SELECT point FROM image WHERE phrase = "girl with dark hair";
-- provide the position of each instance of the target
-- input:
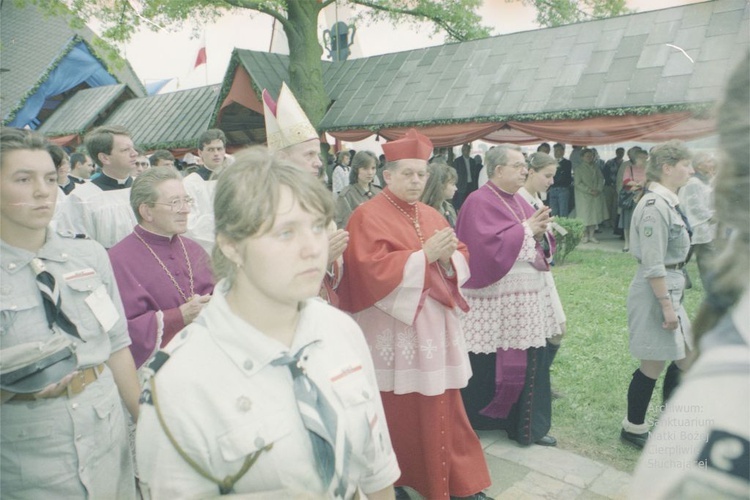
(440, 188)
(360, 189)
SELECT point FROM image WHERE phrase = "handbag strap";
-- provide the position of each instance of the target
(226, 486)
(632, 176)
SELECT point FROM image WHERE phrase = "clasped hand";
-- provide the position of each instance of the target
(440, 246)
(337, 242)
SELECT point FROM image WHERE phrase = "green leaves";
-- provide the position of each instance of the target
(568, 243)
(558, 12)
(456, 18)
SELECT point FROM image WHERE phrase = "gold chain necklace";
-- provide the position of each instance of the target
(508, 206)
(174, 281)
(414, 220)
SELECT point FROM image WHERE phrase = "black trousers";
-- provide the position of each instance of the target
(530, 418)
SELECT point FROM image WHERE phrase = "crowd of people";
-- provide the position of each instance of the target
(289, 340)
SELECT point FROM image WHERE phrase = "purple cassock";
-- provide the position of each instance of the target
(494, 235)
(156, 275)
(491, 224)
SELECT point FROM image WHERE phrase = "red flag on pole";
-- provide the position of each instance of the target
(201, 57)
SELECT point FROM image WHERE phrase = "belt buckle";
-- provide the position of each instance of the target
(78, 384)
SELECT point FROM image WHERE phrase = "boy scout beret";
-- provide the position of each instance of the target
(32, 366)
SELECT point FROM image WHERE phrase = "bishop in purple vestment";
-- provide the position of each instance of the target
(511, 313)
(164, 279)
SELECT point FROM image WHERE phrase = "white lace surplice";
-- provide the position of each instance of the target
(516, 312)
(416, 350)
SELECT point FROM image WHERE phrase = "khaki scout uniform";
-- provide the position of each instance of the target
(659, 240)
(71, 446)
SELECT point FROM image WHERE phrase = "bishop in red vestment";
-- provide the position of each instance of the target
(404, 266)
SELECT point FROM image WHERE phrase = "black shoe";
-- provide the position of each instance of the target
(547, 441)
(475, 496)
(633, 439)
(401, 493)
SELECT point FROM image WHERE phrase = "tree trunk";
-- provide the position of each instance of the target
(305, 68)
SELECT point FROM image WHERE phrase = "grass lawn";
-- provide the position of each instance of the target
(593, 367)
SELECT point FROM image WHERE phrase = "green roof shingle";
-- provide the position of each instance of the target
(169, 121)
(596, 66)
(82, 110)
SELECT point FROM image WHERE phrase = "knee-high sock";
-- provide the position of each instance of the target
(671, 381)
(639, 395)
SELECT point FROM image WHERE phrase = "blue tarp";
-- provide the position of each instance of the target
(77, 67)
(154, 87)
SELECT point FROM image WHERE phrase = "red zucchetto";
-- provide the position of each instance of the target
(412, 145)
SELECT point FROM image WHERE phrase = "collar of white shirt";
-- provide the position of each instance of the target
(665, 193)
(247, 347)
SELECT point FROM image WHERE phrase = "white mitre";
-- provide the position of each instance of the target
(286, 123)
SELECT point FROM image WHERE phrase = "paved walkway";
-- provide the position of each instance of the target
(607, 242)
(540, 472)
(534, 472)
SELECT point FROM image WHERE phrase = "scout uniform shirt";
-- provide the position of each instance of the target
(65, 447)
(660, 241)
(659, 238)
(240, 403)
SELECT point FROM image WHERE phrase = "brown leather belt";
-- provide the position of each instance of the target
(675, 267)
(76, 386)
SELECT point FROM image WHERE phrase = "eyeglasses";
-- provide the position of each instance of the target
(178, 204)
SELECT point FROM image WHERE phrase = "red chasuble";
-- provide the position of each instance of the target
(408, 311)
(382, 239)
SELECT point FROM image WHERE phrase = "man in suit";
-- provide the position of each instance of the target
(559, 197)
(468, 175)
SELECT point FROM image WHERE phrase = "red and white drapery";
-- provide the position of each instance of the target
(684, 125)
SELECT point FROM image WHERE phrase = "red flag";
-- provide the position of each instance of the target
(201, 58)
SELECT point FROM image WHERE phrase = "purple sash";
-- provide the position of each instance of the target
(510, 376)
